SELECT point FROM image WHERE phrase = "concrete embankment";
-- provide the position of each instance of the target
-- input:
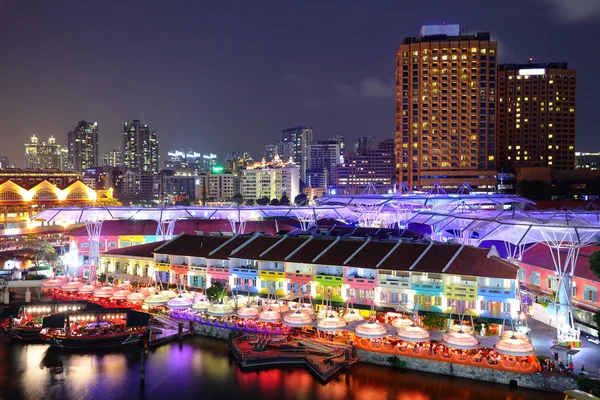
(546, 382)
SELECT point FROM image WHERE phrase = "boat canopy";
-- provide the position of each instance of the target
(137, 318)
(54, 321)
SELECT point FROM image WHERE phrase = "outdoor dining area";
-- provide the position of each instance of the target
(511, 351)
(404, 335)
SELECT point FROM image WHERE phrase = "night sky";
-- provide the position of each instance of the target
(220, 76)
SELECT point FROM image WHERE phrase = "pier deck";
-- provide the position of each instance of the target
(323, 362)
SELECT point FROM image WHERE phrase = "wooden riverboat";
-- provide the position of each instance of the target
(95, 329)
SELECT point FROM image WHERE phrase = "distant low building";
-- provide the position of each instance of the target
(587, 160)
(271, 179)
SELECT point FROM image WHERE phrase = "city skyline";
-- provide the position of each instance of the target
(276, 78)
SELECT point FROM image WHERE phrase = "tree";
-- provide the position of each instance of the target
(250, 202)
(595, 263)
(263, 201)
(237, 199)
(433, 321)
(216, 292)
(41, 252)
(274, 202)
(284, 201)
(301, 199)
(106, 202)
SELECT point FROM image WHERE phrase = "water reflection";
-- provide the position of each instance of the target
(201, 368)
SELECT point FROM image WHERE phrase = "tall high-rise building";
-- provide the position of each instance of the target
(235, 161)
(112, 157)
(208, 161)
(284, 150)
(64, 159)
(536, 115)
(83, 146)
(375, 166)
(323, 158)
(184, 160)
(140, 148)
(4, 163)
(301, 137)
(445, 109)
(42, 155)
(365, 143)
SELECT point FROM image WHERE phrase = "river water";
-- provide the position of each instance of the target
(200, 368)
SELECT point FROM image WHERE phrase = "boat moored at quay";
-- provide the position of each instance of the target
(95, 329)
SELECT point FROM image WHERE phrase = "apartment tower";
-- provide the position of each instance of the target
(536, 115)
(446, 109)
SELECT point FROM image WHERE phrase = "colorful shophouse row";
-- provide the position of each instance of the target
(116, 234)
(434, 277)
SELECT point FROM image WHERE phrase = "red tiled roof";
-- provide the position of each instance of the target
(270, 227)
(436, 258)
(121, 228)
(541, 256)
(224, 252)
(403, 257)
(371, 254)
(474, 261)
(191, 226)
(340, 252)
(141, 250)
(284, 249)
(310, 251)
(192, 245)
(253, 248)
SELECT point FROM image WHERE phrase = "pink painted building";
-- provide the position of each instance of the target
(538, 272)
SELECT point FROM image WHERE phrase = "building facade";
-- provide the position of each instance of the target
(22, 197)
(365, 143)
(112, 158)
(4, 163)
(445, 109)
(137, 185)
(271, 179)
(375, 166)
(301, 138)
(83, 146)
(435, 277)
(177, 182)
(140, 148)
(324, 156)
(42, 155)
(536, 115)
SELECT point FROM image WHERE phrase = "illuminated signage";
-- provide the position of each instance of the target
(532, 71)
(217, 169)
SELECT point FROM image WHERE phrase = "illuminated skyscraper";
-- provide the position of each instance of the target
(536, 115)
(112, 157)
(445, 109)
(140, 148)
(83, 146)
(42, 155)
(301, 137)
